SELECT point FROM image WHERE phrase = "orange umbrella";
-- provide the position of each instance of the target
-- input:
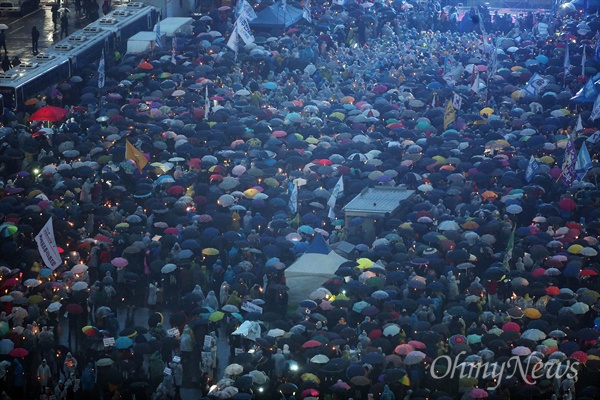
(145, 65)
(489, 195)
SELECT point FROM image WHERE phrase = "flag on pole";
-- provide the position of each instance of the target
(47, 246)
(232, 43)
(509, 248)
(433, 100)
(457, 101)
(306, 14)
(587, 94)
(532, 168)
(579, 125)
(596, 110)
(449, 115)
(570, 159)
(584, 162)
(567, 62)
(158, 39)
(243, 29)
(246, 8)
(101, 71)
(583, 62)
(595, 138)
(597, 50)
(174, 51)
(475, 86)
(206, 104)
(336, 193)
(131, 153)
(536, 84)
(293, 204)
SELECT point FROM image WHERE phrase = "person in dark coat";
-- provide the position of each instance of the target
(35, 37)
(3, 41)
(6, 63)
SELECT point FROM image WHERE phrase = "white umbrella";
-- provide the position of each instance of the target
(168, 268)
(32, 283)
(414, 357)
(53, 307)
(448, 226)
(233, 369)
(77, 286)
(276, 332)
(533, 334)
(79, 269)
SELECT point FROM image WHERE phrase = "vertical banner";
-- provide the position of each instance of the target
(47, 246)
(101, 71)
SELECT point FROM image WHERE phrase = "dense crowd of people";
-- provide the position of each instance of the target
(182, 190)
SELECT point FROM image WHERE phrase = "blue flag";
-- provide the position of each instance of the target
(293, 205)
(532, 169)
(584, 162)
(586, 94)
(101, 71)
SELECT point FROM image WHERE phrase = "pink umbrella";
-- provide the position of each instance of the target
(119, 262)
(478, 393)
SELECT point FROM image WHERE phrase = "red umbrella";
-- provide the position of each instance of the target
(176, 190)
(311, 344)
(10, 282)
(18, 352)
(74, 309)
(102, 238)
(49, 113)
(567, 204)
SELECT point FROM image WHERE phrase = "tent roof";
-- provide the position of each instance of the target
(379, 200)
(278, 15)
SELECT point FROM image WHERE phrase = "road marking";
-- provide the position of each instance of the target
(25, 16)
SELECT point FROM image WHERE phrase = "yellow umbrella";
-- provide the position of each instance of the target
(310, 377)
(250, 193)
(364, 263)
(547, 160)
(517, 94)
(575, 249)
(209, 251)
(532, 313)
(338, 115)
(34, 193)
(439, 159)
(486, 111)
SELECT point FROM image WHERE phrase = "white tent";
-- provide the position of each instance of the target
(311, 270)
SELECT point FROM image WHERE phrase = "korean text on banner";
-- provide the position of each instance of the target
(47, 246)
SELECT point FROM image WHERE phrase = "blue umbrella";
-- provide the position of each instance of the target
(270, 85)
(306, 229)
(123, 343)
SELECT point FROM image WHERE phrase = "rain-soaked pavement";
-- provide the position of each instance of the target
(18, 35)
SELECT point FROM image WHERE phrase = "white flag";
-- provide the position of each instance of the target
(475, 87)
(206, 104)
(101, 71)
(47, 246)
(457, 101)
(243, 29)
(583, 62)
(579, 126)
(306, 11)
(173, 51)
(248, 11)
(567, 61)
(338, 191)
(232, 43)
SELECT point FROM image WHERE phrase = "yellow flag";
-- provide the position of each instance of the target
(449, 114)
(131, 153)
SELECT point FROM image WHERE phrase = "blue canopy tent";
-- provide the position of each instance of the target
(279, 15)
